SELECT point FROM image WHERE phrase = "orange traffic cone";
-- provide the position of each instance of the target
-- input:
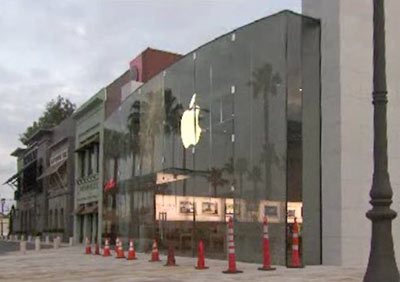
(171, 256)
(120, 252)
(231, 251)
(267, 256)
(200, 260)
(106, 252)
(88, 249)
(131, 251)
(295, 247)
(154, 252)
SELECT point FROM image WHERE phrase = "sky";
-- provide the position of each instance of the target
(73, 48)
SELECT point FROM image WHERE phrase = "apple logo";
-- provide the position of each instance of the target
(190, 128)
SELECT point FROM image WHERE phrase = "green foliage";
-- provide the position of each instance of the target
(56, 111)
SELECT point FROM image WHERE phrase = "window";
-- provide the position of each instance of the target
(82, 163)
(90, 160)
(62, 218)
(55, 219)
(97, 153)
(50, 219)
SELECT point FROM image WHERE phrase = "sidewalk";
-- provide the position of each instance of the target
(70, 264)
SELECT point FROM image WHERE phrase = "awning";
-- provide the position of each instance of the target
(53, 169)
(79, 210)
(15, 176)
(90, 209)
(87, 142)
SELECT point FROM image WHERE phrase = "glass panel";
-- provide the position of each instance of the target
(216, 135)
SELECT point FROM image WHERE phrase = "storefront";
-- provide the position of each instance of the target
(88, 157)
(219, 134)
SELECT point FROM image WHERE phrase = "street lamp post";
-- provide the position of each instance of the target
(382, 263)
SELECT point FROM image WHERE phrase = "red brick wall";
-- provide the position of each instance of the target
(154, 61)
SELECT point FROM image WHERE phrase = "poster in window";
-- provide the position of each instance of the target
(271, 211)
(186, 207)
(210, 208)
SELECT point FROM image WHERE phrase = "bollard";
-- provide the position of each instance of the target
(47, 240)
(22, 247)
(22, 237)
(29, 238)
(37, 243)
(55, 243)
(71, 241)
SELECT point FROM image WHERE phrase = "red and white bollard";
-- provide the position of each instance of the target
(154, 252)
(231, 251)
(131, 251)
(266, 251)
(106, 252)
(295, 247)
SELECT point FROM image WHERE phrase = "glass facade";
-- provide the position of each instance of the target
(222, 133)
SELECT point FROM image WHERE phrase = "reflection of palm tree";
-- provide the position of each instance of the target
(215, 177)
(241, 167)
(265, 82)
(152, 121)
(173, 114)
(134, 131)
(115, 146)
(254, 175)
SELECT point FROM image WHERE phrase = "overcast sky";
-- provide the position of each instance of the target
(74, 48)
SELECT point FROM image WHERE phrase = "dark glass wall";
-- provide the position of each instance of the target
(220, 134)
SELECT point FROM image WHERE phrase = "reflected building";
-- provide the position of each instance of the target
(232, 129)
(90, 137)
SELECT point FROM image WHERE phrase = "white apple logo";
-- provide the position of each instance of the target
(190, 128)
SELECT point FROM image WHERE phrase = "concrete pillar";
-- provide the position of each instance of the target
(22, 247)
(29, 238)
(37, 243)
(71, 241)
(22, 237)
(47, 239)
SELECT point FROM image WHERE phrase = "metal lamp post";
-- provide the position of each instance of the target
(382, 263)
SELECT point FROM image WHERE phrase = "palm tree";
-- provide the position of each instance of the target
(134, 131)
(265, 83)
(173, 113)
(254, 175)
(215, 178)
(241, 168)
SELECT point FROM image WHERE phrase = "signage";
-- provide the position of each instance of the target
(190, 128)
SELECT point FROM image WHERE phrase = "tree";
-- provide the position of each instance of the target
(56, 111)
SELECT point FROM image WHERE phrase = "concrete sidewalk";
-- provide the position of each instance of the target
(70, 264)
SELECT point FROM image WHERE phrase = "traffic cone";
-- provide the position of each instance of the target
(120, 251)
(231, 251)
(131, 251)
(88, 249)
(267, 256)
(106, 252)
(200, 260)
(97, 249)
(295, 247)
(171, 256)
(154, 252)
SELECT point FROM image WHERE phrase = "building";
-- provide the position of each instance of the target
(347, 124)
(44, 183)
(58, 180)
(221, 133)
(90, 137)
(31, 212)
